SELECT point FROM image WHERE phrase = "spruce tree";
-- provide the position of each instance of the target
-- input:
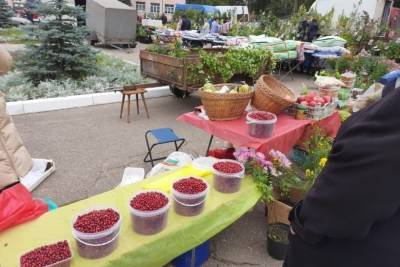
(62, 51)
(5, 14)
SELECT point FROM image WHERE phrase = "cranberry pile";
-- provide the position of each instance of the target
(46, 255)
(261, 116)
(228, 167)
(190, 185)
(96, 221)
(149, 201)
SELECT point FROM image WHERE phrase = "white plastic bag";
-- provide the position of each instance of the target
(174, 160)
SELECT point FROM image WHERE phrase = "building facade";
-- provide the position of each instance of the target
(154, 7)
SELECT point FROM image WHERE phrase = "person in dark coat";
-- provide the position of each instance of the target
(351, 216)
(312, 32)
(186, 23)
(164, 19)
(302, 30)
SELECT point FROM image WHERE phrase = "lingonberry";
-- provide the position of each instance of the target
(46, 255)
(190, 185)
(228, 167)
(96, 221)
(261, 116)
(149, 201)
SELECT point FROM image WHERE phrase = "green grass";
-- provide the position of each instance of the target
(14, 35)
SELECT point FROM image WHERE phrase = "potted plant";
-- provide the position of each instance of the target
(260, 169)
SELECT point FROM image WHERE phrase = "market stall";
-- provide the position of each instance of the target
(287, 133)
(180, 235)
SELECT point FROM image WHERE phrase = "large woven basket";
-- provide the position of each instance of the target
(271, 95)
(222, 107)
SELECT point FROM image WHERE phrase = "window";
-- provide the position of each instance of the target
(169, 9)
(140, 6)
(154, 8)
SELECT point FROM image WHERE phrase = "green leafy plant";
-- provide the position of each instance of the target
(317, 147)
(174, 49)
(251, 62)
(390, 50)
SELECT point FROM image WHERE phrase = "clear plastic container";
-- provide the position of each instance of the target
(261, 128)
(228, 182)
(63, 263)
(188, 209)
(189, 204)
(149, 222)
(96, 251)
(99, 237)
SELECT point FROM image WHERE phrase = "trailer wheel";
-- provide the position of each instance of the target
(178, 92)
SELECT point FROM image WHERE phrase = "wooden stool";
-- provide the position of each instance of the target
(137, 89)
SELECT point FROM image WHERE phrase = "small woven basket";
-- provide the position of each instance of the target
(271, 95)
(222, 107)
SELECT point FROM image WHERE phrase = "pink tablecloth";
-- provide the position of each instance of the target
(288, 131)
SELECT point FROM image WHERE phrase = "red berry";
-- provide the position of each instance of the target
(261, 116)
(228, 167)
(190, 185)
(149, 201)
(96, 221)
(46, 255)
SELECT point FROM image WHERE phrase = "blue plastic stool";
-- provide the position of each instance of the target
(163, 136)
(193, 258)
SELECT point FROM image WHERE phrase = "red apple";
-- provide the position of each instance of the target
(312, 104)
(327, 99)
(304, 103)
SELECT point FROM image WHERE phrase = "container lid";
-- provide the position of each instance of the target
(204, 163)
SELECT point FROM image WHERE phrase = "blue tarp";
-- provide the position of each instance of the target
(204, 8)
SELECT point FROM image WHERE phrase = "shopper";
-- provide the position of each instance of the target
(215, 25)
(164, 19)
(226, 27)
(312, 32)
(186, 24)
(351, 216)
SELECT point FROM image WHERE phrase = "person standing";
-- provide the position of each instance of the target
(206, 27)
(215, 26)
(313, 29)
(302, 30)
(186, 24)
(351, 216)
(226, 27)
(164, 19)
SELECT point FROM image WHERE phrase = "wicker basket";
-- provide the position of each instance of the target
(271, 95)
(332, 92)
(222, 107)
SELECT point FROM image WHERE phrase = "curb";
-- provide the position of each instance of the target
(58, 103)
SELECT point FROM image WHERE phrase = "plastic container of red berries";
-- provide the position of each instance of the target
(228, 176)
(261, 124)
(53, 255)
(149, 212)
(189, 196)
(96, 232)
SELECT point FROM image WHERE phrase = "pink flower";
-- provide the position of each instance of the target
(281, 158)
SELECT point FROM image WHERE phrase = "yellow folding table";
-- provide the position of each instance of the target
(181, 234)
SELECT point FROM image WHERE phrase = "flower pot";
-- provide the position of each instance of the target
(277, 240)
(278, 212)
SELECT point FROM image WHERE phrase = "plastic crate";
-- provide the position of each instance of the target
(315, 113)
(193, 258)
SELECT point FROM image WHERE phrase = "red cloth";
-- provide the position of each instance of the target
(288, 131)
(17, 206)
